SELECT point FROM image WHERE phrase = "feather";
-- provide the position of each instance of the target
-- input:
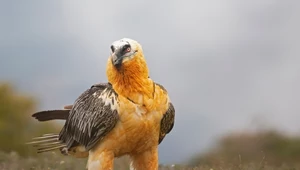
(47, 142)
(69, 107)
(46, 149)
(51, 115)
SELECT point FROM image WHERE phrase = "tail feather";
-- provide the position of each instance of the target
(50, 134)
(46, 137)
(50, 148)
(51, 115)
(47, 142)
(43, 141)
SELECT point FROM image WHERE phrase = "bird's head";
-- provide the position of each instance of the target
(124, 51)
(127, 68)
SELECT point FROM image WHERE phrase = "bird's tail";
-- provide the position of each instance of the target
(47, 142)
(51, 115)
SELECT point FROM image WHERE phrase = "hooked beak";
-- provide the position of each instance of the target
(117, 58)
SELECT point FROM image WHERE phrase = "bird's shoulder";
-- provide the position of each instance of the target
(98, 93)
(100, 89)
(100, 98)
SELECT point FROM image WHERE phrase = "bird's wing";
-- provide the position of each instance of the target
(167, 122)
(92, 116)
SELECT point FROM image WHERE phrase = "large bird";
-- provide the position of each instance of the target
(129, 115)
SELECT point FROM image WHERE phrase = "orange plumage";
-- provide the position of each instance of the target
(137, 132)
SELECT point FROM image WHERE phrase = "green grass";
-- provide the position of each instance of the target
(55, 161)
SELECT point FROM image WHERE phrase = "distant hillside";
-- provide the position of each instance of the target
(265, 148)
(16, 124)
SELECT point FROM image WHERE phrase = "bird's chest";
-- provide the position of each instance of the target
(139, 126)
(139, 112)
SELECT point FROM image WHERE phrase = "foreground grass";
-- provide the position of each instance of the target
(54, 161)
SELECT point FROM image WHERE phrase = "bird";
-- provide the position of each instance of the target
(129, 115)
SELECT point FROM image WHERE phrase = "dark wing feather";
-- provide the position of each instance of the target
(167, 122)
(51, 115)
(91, 117)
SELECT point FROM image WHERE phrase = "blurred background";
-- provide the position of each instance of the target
(231, 67)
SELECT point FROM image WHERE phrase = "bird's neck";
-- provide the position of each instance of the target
(131, 79)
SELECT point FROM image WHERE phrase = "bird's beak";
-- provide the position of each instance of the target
(117, 58)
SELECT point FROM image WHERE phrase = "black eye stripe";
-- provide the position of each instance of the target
(125, 47)
(112, 48)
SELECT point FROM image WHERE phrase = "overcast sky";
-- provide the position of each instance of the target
(228, 65)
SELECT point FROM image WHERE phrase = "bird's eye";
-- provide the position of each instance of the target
(126, 48)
